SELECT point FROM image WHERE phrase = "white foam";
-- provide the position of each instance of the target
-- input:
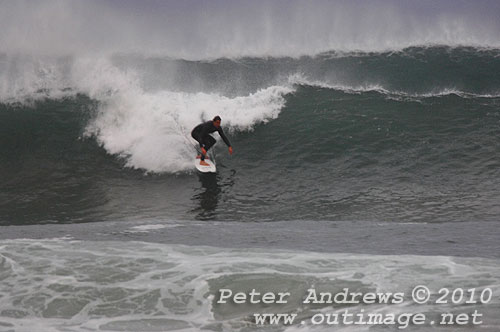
(151, 130)
(60, 285)
(149, 228)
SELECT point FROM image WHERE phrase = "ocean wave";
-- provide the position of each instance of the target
(416, 72)
(414, 50)
(299, 80)
(142, 109)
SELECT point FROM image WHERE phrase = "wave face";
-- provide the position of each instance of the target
(399, 135)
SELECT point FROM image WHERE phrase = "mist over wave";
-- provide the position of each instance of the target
(200, 30)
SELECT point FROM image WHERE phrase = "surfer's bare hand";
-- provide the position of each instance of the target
(204, 151)
(230, 150)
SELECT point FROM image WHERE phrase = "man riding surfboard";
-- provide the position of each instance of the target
(201, 133)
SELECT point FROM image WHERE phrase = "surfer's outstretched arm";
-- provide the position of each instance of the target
(225, 139)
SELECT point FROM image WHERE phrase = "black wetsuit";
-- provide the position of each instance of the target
(202, 132)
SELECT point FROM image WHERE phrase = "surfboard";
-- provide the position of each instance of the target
(205, 169)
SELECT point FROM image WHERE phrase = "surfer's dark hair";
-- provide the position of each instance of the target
(217, 118)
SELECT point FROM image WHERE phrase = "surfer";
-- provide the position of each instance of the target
(201, 133)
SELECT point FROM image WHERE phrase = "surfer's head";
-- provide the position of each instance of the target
(216, 121)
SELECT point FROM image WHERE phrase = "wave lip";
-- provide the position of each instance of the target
(299, 80)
